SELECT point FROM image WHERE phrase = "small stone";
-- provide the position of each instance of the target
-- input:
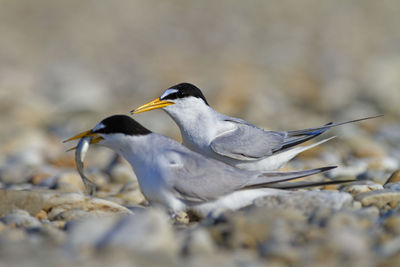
(42, 215)
(392, 224)
(20, 187)
(31, 201)
(132, 197)
(15, 234)
(349, 242)
(49, 182)
(395, 177)
(55, 203)
(251, 226)
(58, 224)
(392, 186)
(69, 206)
(351, 171)
(70, 182)
(307, 201)
(364, 147)
(391, 248)
(379, 198)
(361, 187)
(341, 220)
(147, 232)
(200, 242)
(376, 176)
(357, 205)
(385, 164)
(71, 215)
(369, 214)
(182, 218)
(38, 178)
(53, 234)
(21, 218)
(13, 174)
(63, 161)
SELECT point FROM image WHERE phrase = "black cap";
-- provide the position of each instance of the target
(183, 90)
(120, 124)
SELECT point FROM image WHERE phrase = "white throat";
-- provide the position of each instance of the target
(197, 122)
(133, 148)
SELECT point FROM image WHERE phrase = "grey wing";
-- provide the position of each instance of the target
(247, 142)
(196, 178)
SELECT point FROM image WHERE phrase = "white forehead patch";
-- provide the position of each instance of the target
(98, 127)
(168, 92)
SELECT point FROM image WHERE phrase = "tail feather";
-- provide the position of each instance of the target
(318, 130)
(268, 178)
(297, 185)
(300, 140)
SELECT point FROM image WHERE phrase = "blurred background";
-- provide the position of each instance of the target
(282, 65)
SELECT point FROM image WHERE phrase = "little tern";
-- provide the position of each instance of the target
(228, 139)
(179, 179)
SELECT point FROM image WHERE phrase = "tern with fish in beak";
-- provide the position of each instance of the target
(228, 139)
(80, 152)
(179, 179)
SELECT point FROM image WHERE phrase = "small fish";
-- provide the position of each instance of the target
(80, 153)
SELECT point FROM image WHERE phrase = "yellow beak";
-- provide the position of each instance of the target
(155, 104)
(95, 138)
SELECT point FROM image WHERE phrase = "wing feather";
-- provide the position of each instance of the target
(247, 142)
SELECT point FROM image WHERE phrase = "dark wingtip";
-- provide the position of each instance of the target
(328, 168)
(298, 185)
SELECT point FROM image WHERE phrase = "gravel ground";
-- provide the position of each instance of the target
(64, 66)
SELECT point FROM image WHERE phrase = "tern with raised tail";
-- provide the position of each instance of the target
(180, 179)
(228, 139)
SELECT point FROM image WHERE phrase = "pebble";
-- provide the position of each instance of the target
(385, 164)
(53, 234)
(393, 186)
(392, 224)
(307, 201)
(254, 225)
(13, 235)
(73, 205)
(148, 231)
(132, 197)
(70, 182)
(376, 176)
(361, 187)
(391, 248)
(38, 178)
(379, 198)
(50, 220)
(364, 147)
(15, 174)
(55, 203)
(395, 177)
(31, 201)
(20, 218)
(352, 171)
(42, 215)
(199, 242)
